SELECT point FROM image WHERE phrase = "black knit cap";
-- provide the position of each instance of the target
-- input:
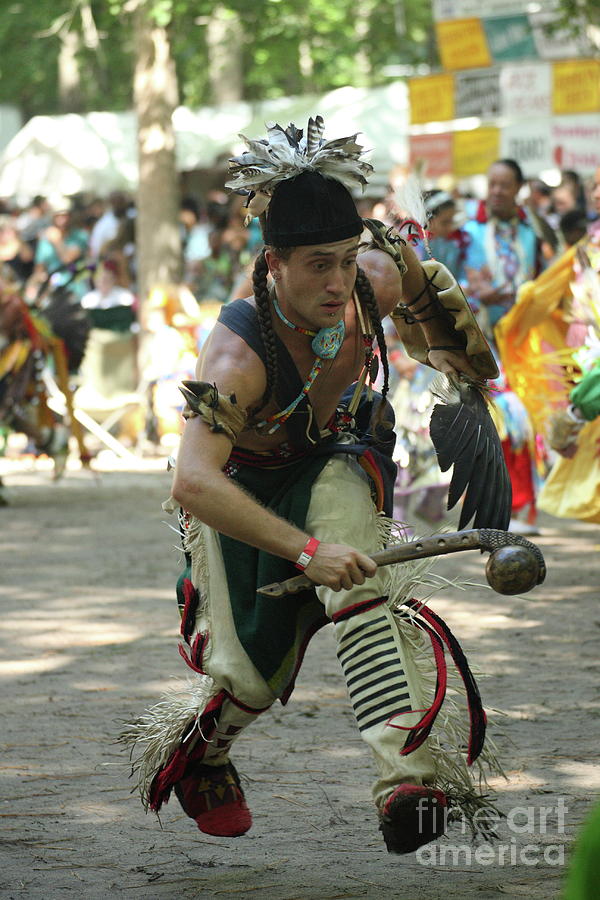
(310, 209)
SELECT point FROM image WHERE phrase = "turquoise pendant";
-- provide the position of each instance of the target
(328, 341)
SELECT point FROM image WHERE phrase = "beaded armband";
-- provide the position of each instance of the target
(222, 414)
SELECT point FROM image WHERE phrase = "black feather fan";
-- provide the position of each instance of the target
(464, 436)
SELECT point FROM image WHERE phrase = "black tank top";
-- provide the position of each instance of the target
(303, 432)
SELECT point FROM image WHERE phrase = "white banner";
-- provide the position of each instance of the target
(576, 143)
(530, 143)
(526, 90)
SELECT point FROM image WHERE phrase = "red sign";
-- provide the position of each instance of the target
(433, 151)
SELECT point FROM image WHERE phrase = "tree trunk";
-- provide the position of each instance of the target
(70, 96)
(400, 19)
(224, 39)
(306, 62)
(362, 23)
(158, 241)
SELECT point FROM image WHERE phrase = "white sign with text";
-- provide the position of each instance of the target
(526, 90)
(530, 144)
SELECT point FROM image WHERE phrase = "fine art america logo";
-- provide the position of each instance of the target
(533, 838)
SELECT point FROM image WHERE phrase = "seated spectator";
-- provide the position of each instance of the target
(109, 305)
(35, 219)
(107, 225)
(109, 368)
(121, 250)
(93, 210)
(214, 275)
(59, 246)
(195, 235)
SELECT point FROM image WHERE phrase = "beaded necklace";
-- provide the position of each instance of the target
(326, 342)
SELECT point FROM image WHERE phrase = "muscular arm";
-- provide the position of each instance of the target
(201, 487)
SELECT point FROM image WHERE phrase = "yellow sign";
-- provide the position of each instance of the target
(576, 86)
(431, 99)
(475, 151)
(462, 44)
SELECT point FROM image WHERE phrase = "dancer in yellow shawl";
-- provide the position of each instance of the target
(550, 344)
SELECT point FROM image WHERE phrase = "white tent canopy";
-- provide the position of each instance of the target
(97, 152)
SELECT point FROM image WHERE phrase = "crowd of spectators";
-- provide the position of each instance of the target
(53, 233)
(87, 244)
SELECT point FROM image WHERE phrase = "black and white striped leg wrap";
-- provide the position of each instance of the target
(375, 676)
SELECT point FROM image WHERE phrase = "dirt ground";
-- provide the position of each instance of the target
(88, 634)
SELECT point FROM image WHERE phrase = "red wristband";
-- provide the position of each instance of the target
(307, 554)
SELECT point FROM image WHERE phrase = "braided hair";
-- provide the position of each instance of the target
(263, 310)
(366, 297)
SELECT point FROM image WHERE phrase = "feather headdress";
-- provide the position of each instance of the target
(287, 152)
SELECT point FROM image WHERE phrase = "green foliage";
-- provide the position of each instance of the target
(274, 31)
(28, 64)
(288, 46)
(30, 41)
(572, 13)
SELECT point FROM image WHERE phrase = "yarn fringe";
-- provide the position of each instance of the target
(157, 734)
(194, 543)
(469, 794)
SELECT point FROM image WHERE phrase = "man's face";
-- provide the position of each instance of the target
(503, 188)
(315, 283)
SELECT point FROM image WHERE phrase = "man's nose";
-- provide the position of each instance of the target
(335, 282)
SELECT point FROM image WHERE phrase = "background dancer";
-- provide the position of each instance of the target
(550, 343)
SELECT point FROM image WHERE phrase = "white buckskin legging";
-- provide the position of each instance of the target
(376, 660)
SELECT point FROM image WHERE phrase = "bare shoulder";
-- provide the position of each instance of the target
(382, 272)
(227, 361)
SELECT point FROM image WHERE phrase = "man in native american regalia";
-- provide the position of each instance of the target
(285, 464)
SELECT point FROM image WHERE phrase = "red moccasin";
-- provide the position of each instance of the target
(413, 815)
(213, 797)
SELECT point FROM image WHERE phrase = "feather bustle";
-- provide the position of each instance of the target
(465, 437)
